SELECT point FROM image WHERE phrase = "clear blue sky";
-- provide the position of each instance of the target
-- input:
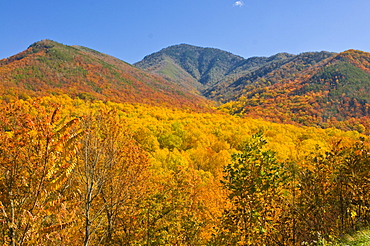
(131, 29)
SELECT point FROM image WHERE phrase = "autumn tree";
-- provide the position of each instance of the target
(110, 177)
(334, 192)
(37, 155)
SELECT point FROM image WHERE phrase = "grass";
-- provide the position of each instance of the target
(360, 238)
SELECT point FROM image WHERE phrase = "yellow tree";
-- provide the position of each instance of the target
(110, 178)
(37, 154)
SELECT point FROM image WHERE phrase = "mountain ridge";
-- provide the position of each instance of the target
(312, 88)
(223, 68)
(49, 67)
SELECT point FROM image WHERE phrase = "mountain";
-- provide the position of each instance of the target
(333, 92)
(219, 74)
(48, 67)
(274, 69)
(312, 88)
(196, 67)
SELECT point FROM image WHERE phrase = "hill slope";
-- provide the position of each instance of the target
(195, 66)
(336, 89)
(312, 88)
(218, 73)
(48, 67)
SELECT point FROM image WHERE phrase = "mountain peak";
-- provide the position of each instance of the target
(200, 66)
(47, 67)
(44, 42)
(43, 45)
(280, 56)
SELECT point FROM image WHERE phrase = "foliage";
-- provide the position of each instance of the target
(332, 93)
(37, 157)
(313, 88)
(205, 66)
(87, 164)
(255, 182)
(48, 67)
(359, 238)
(107, 173)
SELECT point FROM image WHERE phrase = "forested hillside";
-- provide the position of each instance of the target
(76, 172)
(94, 151)
(314, 88)
(223, 76)
(333, 93)
(190, 65)
(48, 67)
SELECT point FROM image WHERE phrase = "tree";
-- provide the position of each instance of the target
(111, 177)
(254, 181)
(37, 155)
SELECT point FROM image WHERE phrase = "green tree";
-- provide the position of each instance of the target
(254, 181)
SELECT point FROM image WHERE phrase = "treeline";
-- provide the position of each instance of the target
(91, 173)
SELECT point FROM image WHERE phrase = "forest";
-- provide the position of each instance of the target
(321, 89)
(92, 172)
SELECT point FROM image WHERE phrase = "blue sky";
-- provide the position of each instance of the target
(129, 29)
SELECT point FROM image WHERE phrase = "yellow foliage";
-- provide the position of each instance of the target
(187, 151)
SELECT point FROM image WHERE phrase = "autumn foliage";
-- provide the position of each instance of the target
(94, 151)
(48, 67)
(77, 172)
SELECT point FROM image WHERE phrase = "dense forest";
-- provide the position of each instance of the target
(95, 151)
(87, 173)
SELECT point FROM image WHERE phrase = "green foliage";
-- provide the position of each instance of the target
(342, 80)
(254, 180)
(359, 238)
(333, 93)
(42, 45)
(204, 65)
